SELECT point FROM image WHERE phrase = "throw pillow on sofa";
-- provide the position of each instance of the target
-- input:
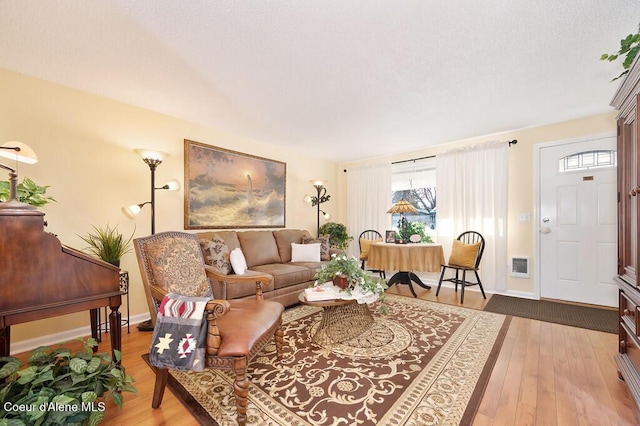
(216, 254)
(305, 252)
(324, 245)
(238, 262)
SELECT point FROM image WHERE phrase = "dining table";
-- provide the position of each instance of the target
(406, 258)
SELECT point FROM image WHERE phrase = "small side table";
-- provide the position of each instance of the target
(341, 320)
(124, 288)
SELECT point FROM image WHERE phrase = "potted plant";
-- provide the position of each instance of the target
(338, 236)
(58, 387)
(27, 191)
(345, 272)
(413, 228)
(108, 244)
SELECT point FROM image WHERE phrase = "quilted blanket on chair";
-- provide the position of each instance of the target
(179, 337)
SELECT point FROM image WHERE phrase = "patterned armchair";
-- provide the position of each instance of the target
(172, 262)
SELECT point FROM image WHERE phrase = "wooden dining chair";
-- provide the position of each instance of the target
(466, 255)
(364, 242)
(237, 330)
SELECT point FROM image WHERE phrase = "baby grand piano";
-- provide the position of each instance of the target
(40, 278)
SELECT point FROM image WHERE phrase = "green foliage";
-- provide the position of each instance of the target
(413, 228)
(107, 243)
(350, 267)
(629, 47)
(338, 236)
(55, 384)
(27, 192)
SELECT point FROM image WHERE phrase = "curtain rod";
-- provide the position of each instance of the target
(413, 159)
(513, 142)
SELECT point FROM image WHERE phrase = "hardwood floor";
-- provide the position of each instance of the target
(546, 374)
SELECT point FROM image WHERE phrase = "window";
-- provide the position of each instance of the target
(587, 160)
(415, 182)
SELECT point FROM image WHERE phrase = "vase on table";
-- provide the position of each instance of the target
(341, 281)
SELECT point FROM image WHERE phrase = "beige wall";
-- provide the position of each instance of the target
(85, 142)
(521, 235)
(85, 148)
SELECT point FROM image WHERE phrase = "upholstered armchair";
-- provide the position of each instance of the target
(237, 330)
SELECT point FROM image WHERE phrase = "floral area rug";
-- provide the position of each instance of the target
(422, 364)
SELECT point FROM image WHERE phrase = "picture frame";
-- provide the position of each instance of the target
(390, 237)
(226, 189)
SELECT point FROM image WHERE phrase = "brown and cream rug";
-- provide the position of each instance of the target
(423, 364)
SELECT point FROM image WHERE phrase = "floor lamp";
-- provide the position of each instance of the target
(320, 198)
(153, 159)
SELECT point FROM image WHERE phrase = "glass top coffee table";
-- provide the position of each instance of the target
(342, 319)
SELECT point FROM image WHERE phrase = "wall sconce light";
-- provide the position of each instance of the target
(319, 198)
(21, 153)
(153, 159)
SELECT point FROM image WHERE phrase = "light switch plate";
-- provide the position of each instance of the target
(525, 217)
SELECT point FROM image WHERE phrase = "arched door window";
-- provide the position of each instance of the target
(587, 160)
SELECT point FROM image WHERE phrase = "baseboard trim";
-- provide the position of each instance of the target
(520, 294)
(65, 336)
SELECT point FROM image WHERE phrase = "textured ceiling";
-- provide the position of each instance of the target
(346, 79)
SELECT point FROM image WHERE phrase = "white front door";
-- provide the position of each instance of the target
(578, 223)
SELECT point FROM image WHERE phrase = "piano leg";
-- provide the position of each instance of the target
(115, 329)
(5, 341)
(93, 315)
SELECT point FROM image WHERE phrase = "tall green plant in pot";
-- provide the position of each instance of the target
(108, 243)
(338, 236)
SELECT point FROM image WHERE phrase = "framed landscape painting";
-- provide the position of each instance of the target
(228, 189)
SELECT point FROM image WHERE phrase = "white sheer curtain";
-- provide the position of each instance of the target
(368, 199)
(419, 173)
(472, 196)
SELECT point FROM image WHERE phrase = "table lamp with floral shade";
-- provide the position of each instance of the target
(402, 207)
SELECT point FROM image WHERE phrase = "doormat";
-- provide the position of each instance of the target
(561, 313)
(424, 363)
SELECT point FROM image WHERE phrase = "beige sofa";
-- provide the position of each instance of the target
(266, 253)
